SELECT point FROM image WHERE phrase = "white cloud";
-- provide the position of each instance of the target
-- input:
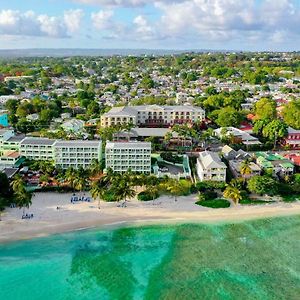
(228, 19)
(16, 23)
(122, 3)
(103, 20)
(72, 19)
(143, 29)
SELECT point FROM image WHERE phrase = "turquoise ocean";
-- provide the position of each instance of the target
(249, 260)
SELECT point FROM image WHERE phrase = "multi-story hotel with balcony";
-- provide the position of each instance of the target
(122, 156)
(210, 167)
(64, 154)
(152, 115)
(37, 148)
(76, 154)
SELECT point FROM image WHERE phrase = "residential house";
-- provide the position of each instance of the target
(210, 167)
(275, 164)
(73, 125)
(293, 138)
(238, 134)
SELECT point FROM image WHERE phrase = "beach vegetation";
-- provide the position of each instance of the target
(216, 203)
(98, 189)
(233, 193)
(21, 196)
(148, 195)
(263, 185)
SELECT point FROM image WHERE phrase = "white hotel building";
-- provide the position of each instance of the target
(37, 148)
(122, 156)
(152, 115)
(65, 154)
(76, 153)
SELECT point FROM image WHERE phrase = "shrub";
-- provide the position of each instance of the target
(210, 185)
(175, 159)
(146, 196)
(207, 195)
(217, 203)
(109, 196)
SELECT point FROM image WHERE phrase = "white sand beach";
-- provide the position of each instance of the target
(49, 220)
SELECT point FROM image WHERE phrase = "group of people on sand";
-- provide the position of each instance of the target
(27, 216)
(74, 198)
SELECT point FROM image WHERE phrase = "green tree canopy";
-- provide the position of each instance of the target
(262, 185)
(265, 108)
(276, 129)
(228, 116)
(291, 114)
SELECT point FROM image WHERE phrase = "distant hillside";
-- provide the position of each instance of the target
(12, 53)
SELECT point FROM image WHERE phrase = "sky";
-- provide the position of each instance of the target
(249, 25)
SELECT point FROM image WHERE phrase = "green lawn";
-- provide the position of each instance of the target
(216, 203)
(290, 198)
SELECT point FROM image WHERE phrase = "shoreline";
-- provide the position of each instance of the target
(84, 216)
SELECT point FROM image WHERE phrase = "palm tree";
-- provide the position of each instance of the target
(80, 183)
(245, 169)
(2, 206)
(17, 184)
(95, 168)
(124, 190)
(22, 197)
(98, 189)
(174, 188)
(153, 191)
(24, 200)
(233, 193)
(71, 176)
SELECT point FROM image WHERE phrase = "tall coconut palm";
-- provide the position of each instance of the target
(2, 206)
(17, 184)
(245, 169)
(232, 193)
(124, 190)
(71, 176)
(22, 197)
(80, 183)
(98, 189)
(95, 168)
(174, 187)
(24, 200)
(153, 192)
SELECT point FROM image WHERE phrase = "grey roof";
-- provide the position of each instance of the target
(127, 145)
(160, 132)
(133, 110)
(37, 141)
(17, 138)
(211, 160)
(121, 111)
(77, 143)
(10, 172)
(293, 131)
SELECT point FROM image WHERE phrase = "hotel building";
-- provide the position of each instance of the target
(122, 156)
(76, 154)
(151, 115)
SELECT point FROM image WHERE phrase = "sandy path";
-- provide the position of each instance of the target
(48, 220)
